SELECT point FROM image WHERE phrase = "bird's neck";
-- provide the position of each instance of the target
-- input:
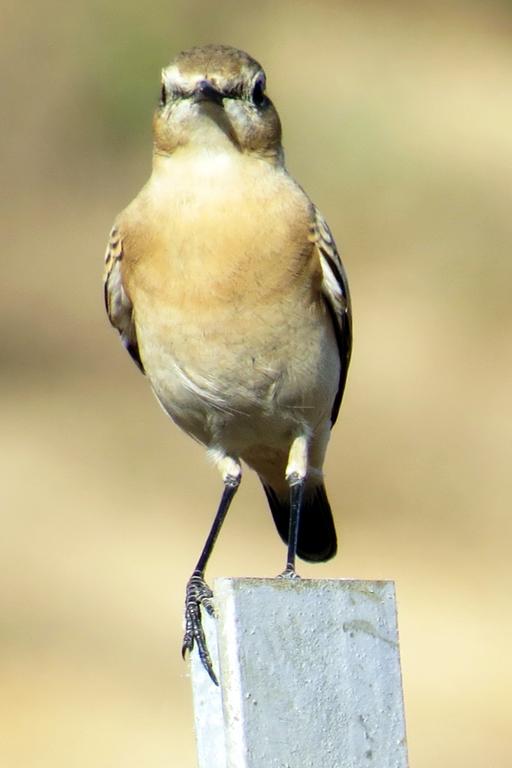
(207, 161)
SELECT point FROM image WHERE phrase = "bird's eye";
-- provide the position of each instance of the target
(258, 91)
(163, 96)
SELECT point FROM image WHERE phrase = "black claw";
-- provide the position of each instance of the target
(289, 573)
(198, 594)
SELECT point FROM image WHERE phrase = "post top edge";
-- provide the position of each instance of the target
(241, 582)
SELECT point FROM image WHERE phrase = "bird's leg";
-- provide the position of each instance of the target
(198, 593)
(296, 494)
(295, 475)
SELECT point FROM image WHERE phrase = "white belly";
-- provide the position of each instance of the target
(241, 389)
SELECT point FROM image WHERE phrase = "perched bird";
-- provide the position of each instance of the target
(227, 290)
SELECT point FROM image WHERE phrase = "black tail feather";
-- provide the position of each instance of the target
(317, 534)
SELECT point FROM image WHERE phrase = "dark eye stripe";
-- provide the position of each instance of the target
(233, 93)
(237, 91)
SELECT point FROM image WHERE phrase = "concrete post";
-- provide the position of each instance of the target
(309, 676)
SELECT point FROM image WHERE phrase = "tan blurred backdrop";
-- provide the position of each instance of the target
(398, 121)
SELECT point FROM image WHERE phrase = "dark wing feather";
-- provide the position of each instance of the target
(117, 303)
(337, 299)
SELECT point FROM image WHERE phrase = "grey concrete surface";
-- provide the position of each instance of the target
(309, 676)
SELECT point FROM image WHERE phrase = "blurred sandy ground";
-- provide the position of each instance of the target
(398, 121)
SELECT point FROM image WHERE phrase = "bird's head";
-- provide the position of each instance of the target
(214, 97)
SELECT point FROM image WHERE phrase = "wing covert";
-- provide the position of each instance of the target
(117, 302)
(337, 299)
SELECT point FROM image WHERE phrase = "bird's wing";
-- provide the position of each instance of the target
(117, 302)
(337, 299)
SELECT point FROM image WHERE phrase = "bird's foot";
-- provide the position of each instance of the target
(289, 573)
(198, 594)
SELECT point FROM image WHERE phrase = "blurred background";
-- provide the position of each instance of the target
(398, 121)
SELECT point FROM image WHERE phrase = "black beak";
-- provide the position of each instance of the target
(205, 91)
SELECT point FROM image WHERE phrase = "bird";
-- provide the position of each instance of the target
(227, 289)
